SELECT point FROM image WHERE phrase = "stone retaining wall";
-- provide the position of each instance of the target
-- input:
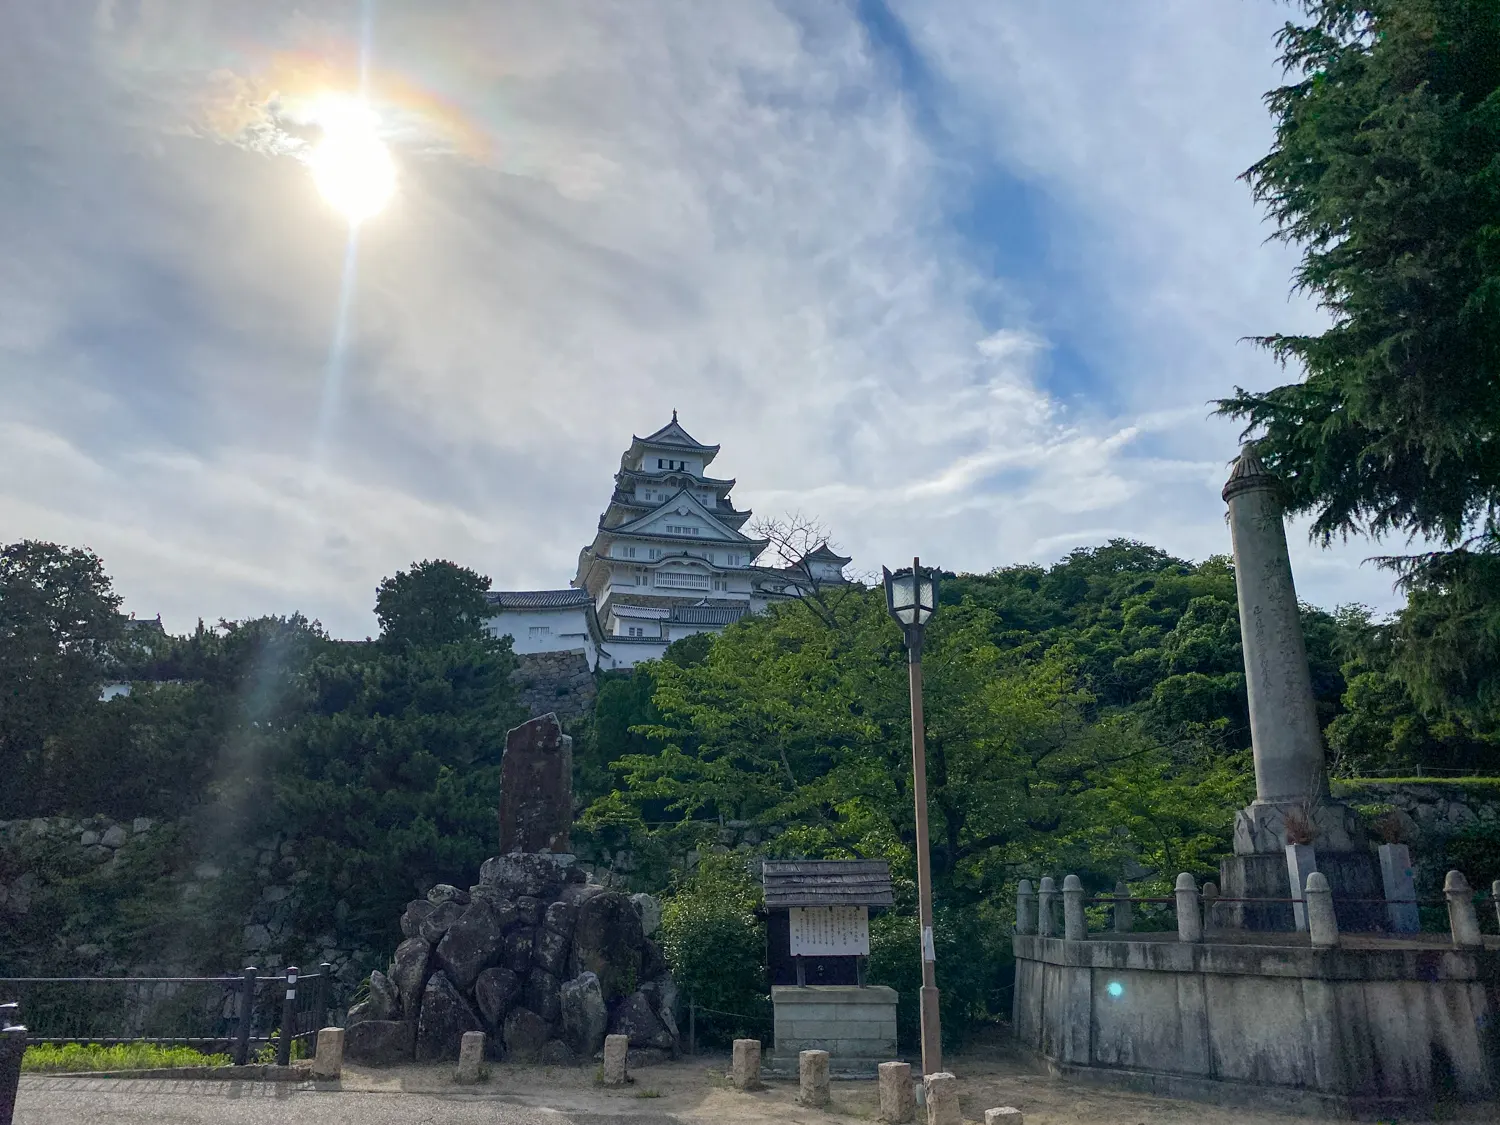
(555, 681)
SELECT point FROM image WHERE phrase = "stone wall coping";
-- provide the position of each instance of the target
(1437, 961)
(832, 994)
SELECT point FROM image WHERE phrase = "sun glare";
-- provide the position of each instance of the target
(351, 164)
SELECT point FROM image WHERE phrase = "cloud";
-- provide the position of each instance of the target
(743, 211)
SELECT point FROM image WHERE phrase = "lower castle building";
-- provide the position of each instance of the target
(669, 559)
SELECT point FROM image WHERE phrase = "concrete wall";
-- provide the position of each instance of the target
(1344, 1029)
(846, 1021)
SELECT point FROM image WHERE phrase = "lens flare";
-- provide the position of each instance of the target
(351, 165)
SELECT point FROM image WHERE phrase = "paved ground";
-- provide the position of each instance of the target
(684, 1093)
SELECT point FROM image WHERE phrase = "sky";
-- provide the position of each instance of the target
(959, 280)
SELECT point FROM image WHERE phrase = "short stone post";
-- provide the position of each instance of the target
(1495, 897)
(744, 1065)
(12, 1047)
(1399, 881)
(1124, 912)
(1322, 922)
(812, 1079)
(898, 1101)
(1005, 1115)
(470, 1057)
(329, 1060)
(616, 1048)
(1301, 861)
(1462, 919)
(942, 1099)
(1075, 925)
(1025, 908)
(1189, 920)
(1210, 901)
(1046, 924)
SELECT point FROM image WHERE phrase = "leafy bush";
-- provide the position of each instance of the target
(49, 1058)
(716, 946)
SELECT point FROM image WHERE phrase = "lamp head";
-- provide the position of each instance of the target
(911, 594)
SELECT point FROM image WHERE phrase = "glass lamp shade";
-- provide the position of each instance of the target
(911, 595)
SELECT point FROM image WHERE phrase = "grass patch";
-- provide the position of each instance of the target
(1345, 785)
(648, 1093)
(50, 1058)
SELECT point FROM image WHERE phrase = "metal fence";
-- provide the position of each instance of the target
(235, 1015)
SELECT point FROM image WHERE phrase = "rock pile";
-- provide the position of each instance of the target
(543, 960)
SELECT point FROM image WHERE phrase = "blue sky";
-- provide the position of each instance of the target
(959, 279)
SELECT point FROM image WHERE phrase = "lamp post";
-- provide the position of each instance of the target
(911, 597)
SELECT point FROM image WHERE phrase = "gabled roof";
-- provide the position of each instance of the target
(537, 599)
(824, 553)
(671, 435)
(637, 526)
(827, 882)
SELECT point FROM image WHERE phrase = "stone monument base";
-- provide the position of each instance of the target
(1351, 874)
(1260, 827)
(855, 1025)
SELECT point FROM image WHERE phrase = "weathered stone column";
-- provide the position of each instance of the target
(1124, 915)
(1189, 920)
(1463, 920)
(1046, 916)
(328, 1061)
(744, 1064)
(1322, 922)
(812, 1079)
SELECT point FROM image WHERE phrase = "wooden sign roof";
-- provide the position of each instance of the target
(827, 882)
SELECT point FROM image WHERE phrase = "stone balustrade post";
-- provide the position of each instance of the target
(744, 1066)
(1075, 925)
(1124, 909)
(1025, 908)
(1322, 922)
(328, 1062)
(1046, 911)
(812, 1079)
(1462, 919)
(1210, 901)
(1189, 919)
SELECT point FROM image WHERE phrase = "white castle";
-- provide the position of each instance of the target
(668, 560)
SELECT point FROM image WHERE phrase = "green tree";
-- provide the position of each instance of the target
(1386, 171)
(59, 619)
(435, 602)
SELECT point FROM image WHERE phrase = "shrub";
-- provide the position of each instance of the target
(50, 1058)
(716, 945)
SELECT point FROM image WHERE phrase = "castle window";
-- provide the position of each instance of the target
(720, 584)
(538, 632)
(655, 552)
(637, 631)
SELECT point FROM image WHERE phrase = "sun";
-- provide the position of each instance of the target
(351, 164)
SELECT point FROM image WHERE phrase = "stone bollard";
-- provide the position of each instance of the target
(1462, 919)
(1046, 899)
(616, 1048)
(744, 1065)
(1322, 922)
(812, 1079)
(470, 1057)
(1005, 1115)
(1124, 912)
(898, 1101)
(1189, 920)
(329, 1060)
(1025, 908)
(1210, 900)
(942, 1099)
(1075, 925)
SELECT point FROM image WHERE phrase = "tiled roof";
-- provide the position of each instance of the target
(827, 882)
(538, 599)
(707, 614)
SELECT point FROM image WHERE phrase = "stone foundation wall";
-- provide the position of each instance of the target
(1429, 811)
(555, 681)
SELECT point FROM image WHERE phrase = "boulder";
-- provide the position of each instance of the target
(445, 1017)
(556, 1053)
(518, 950)
(114, 837)
(585, 1019)
(650, 913)
(607, 942)
(416, 914)
(525, 1034)
(542, 996)
(436, 924)
(529, 909)
(494, 992)
(471, 944)
(653, 961)
(380, 1042)
(409, 971)
(445, 892)
(538, 875)
(536, 788)
(661, 994)
(384, 1002)
(550, 951)
(635, 1020)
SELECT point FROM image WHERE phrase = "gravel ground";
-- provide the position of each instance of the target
(689, 1092)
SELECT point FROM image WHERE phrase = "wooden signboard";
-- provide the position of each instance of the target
(830, 931)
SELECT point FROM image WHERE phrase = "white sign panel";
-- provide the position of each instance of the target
(830, 931)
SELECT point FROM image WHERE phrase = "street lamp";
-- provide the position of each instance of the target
(911, 597)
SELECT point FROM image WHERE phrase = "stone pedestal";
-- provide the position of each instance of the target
(744, 1065)
(1399, 881)
(1353, 875)
(328, 1060)
(942, 1099)
(616, 1049)
(856, 1026)
(470, 1057)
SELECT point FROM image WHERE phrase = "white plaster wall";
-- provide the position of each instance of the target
(568, 630)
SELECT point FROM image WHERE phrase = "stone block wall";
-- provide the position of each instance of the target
(846, 1021)
(555, 681)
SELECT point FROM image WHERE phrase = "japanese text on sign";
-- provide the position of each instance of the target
(830, 931)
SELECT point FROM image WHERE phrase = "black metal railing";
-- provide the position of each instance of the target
(235, 1015)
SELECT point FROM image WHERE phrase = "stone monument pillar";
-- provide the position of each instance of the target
(536, 788)
(1292, 803)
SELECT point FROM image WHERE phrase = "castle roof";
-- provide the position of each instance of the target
(537, 599)
(673, 435)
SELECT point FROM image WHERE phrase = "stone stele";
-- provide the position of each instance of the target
(536, 788)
